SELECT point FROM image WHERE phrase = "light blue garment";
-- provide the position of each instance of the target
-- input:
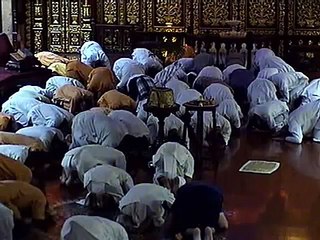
(28, 92)
(49, 115)
(311, 92)
(19, 153)
(147, 58)
(267, 73)
(94, 127)
(275, 62)
(56, 82)
(18, 107)
(261, 91)
(92, 52)
(6, 223)
(218, 92)
(230, 109)
(187, 63)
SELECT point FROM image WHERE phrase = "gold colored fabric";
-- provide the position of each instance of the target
(115, 100)
(36, 145)
(18, 196)
(101, 80)
(11, 169)
(73, 99)
(48, 58)
(5, 120)
(78, 70)
(188, 52)
(60, 68)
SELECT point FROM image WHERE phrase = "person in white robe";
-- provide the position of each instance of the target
(229, 70)
(6, 223)
(19, 153)
(286, 82)
(174, 166)
(311, 92)
(32, 92)
(230, 109)
(272, 116)
(95, 127)
(261, 54)
(223, 129)
(267, 73)
(92, 228)
(105, 182)
(261, 91)
(49, 115)
(93, 55)
(56, 82)
(124, 69)
(148, 59)
(211, 72)
(217, 92)
(143, 205)
(173, 71)
(305, 122)
(185, 96)
(81, 159)
(177, 87)
(275, 62)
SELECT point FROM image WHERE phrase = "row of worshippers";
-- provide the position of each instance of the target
(40, 116)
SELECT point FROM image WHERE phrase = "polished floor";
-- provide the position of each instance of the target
(284, 205)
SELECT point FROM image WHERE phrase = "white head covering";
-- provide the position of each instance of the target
(177, 87)
(261, 91)
(92, 52)
(267, 73)
(211, 72)
(6, 223)
(92, 228)
(218, 92)
(263, 53)
(229, 70)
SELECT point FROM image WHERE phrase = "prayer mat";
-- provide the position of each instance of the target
(260, 166)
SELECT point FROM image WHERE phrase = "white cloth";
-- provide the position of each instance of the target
(177, 87)
(311, 92)
(108, 179)
(56, 82)
(6, 223)
(91, 52)
(172, 160)
(229, 70)
(275, 113)
(221, 122)
(45, 134)
(92, 228)
(304, 121)
(146, 58)
(261, 54)
(170, 123)
(275, 62)
(32, 92)
(187, 96)
(211, 72)
(173, 71)
(218, 92)
(230, 109)
(18, 107)
(141, 113)
(261, 91)
(49, 115)
(19, 153)
(286, 82)
(86, 157)
(125, 68)
(134, 125)
(95, 127)
(267, 73)
(145, 201)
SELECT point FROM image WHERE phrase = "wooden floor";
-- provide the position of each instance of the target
(284, 205)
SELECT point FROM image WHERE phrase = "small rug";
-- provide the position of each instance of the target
(259, 166)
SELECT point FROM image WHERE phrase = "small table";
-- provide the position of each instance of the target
(161, 114)
(200, 107)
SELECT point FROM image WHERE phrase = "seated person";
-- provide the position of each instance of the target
(6, 222)
(142, 206)
(222, 132)
(174, 166)
(211, 72)
(92, 228)
(116, 100)
(188, 64)
(231, 111)
(229, 70)
(33, 92)
(198, 212)
(94, 127)
(78, 161)
(79, 71)
(59, 69)
(151, 63)
(177, 87)
(106, 184)
(54, 83)
(73, 99)
(218, 92)
(49, 115)
(267, 73)
(304, 121)
(187, 96)
(173, 71)
(11, 169)
(275, 62)
(124, 69)
(139, 87)
(93, 55)
(19, 153)
(270, 116)
(261, 91)
(101, 80)
(201, 83)
(47, 58)
(22, 197)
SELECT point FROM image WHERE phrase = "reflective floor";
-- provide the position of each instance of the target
(284, 205)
